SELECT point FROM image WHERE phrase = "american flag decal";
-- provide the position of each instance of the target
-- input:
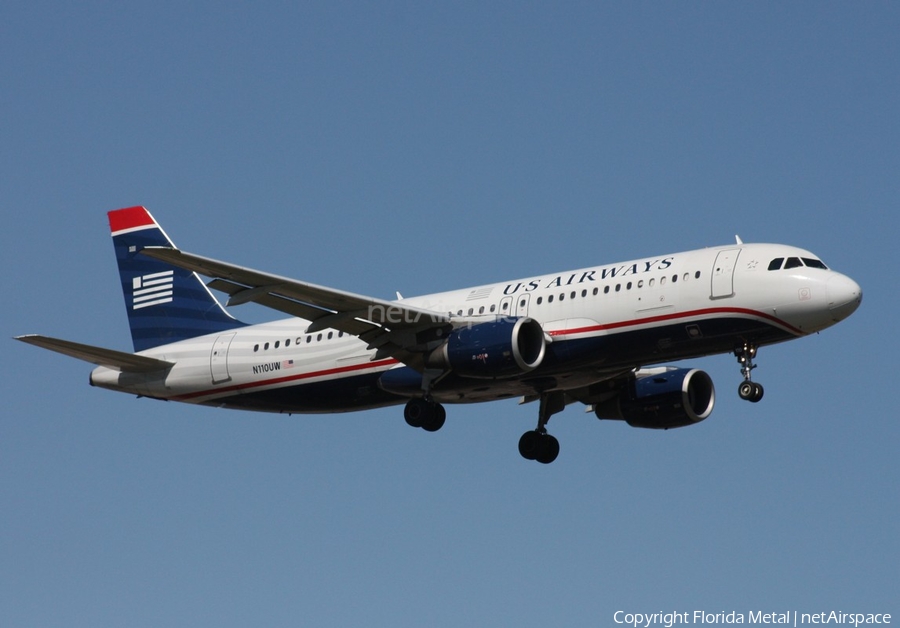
(152, 289)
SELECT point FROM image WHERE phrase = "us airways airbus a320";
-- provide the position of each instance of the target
(598, 336)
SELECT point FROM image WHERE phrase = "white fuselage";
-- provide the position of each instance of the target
(602, 319)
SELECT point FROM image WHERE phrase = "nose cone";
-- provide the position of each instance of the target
(844, 296)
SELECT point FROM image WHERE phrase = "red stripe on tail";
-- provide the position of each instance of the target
(129, 218)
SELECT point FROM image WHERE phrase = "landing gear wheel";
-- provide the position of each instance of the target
(536, 446)
(435, 421)
(750, 391)
(529, 444)
(428, 415)
(415, 412)
(548, 450)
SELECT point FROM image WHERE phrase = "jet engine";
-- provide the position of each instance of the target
(662, 398)
(495, 349)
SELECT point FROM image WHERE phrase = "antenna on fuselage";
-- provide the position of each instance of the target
(738, 240)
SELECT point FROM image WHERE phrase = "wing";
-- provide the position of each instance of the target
(119, 360)
(394, 329)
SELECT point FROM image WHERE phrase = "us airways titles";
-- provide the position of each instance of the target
(581, 277)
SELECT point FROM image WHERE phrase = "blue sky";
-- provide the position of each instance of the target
(377, 147)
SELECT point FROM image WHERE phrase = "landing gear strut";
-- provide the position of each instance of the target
(537, 444)
(748, 389)
(424, 413)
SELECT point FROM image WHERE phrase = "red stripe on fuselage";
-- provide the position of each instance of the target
(288, 378)
(129, 218)
(679, 315)
(562, 332)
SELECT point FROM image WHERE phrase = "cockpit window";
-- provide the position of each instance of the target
(796, 262)
(814, 263)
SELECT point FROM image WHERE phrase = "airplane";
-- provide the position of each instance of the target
(598, 336)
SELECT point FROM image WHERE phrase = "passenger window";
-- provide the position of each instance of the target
(522, 303)
(640, 283)
(596, 290)
(266, 347)
(628, 286)
(674, 278)
(618, 287)
(299, 340)
(775, 264)
(308, 339)
(793, 262)
(605, 289)
(572, 296)
(662, 281)
(687, 276)
(697, 275)
(287, 343)
(330, 335)
(539, 301)
(584, 293)
(494, 307)
(319, 338)
(562, 297)
(652, 282)
(255, 348)
(277, 343)
(481, 310)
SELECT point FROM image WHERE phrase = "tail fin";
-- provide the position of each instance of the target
(165, 303)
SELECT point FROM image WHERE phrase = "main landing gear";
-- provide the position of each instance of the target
(424, 413)
(748, 390)
(537, 444)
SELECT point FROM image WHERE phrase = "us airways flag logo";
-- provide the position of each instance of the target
(152, 289)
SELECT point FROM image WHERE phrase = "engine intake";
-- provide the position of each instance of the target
(674, 397)
(495, 349)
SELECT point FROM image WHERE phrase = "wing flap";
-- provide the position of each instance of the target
(119, 360)
(390, 314)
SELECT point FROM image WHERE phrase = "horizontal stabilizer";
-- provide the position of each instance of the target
(119, 360)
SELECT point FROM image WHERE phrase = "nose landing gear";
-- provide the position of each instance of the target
(748, 389)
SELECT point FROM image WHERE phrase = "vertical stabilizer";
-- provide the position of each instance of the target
(164, 303)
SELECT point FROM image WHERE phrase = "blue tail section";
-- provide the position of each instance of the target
(165, 304)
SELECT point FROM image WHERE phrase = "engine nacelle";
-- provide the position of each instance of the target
(496, 349)
(673, 397)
